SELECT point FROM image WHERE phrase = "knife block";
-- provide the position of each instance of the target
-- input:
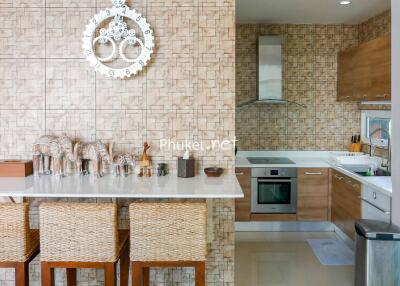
(355, 147)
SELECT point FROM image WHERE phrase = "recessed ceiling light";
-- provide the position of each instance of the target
(345, 2)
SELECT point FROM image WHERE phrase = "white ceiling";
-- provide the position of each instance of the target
(307, 11)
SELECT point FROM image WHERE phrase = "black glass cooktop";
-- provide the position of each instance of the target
(269, 160)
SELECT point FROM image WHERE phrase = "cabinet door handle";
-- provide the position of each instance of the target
(375, 206)
(239, 174)
(380, 95)
(339, 178)
(354, 186)
(313, 173)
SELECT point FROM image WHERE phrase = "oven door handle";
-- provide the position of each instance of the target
(274, 181)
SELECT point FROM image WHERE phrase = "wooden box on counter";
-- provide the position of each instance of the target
(15, 168)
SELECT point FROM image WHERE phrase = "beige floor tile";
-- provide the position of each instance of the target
(284, 259)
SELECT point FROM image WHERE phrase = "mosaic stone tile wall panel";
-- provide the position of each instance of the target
(310, 75)
(375, 27)
(186, 92)
(310, 68)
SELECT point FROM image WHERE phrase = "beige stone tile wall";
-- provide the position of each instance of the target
(186, 92)
(310, 75)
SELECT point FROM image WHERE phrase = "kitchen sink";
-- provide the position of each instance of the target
(378, 173)
(362, 170)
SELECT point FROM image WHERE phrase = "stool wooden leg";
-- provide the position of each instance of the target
(47, 274)
(110, 278)
(136, 273)
(200, 274)
(146, 276)
(71, 277)
(22, 274)
(124, 269)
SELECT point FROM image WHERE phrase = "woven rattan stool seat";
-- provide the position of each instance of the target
(82, 235)
(18, 244)
(17, 241)
(79, 232)
(170, 234)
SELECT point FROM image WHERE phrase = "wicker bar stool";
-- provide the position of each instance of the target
(18, 244)
(82, 235)
(171, 234)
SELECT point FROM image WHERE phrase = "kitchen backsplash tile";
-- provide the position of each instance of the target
(331, 142)
(302, 142)
(310, 76)
(272, 142)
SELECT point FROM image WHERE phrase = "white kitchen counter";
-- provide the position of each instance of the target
(312, 159)
(109, 186)
(382, 184)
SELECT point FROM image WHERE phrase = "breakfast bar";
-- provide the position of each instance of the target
(132, 187)
(218, 194)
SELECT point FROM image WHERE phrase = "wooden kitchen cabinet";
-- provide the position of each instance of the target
(346, 202)
(364, 72)
(312, 194)
(243, 205)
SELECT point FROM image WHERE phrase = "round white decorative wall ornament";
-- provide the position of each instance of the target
(117, 33)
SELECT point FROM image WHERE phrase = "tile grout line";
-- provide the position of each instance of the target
(144, 114)
(45, 67)
(315, 87)
(95, 92)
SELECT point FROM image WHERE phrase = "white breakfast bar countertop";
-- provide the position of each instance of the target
(132, 186)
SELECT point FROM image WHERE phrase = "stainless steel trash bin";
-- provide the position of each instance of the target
(377, 254)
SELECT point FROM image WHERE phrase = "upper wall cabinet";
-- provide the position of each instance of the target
(364, 72)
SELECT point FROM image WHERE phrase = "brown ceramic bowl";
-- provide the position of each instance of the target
(213, 171)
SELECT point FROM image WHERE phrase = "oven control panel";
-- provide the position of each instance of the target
(274, 172)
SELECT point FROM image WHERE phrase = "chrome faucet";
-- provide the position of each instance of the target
(389, 156)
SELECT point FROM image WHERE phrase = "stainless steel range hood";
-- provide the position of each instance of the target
(269, 72)
(269, 69)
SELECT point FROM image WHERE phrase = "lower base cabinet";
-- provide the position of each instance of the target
(313, 194)
(346, 202)
(317, 199)
(243, 205)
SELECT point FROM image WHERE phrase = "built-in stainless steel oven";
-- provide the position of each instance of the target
(273, 190)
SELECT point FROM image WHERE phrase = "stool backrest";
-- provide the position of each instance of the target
(86, 232)
(14, 232)
(171, 231)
